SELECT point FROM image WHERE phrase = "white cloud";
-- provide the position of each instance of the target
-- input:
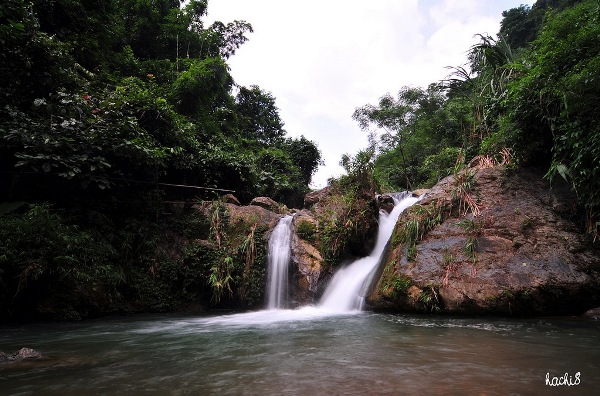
(323, 59)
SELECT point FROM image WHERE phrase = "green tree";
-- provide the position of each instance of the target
(304, 154)
(204, 87)
(259, 116)
(413, 126)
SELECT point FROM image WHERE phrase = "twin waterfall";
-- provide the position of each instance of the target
(347, 289)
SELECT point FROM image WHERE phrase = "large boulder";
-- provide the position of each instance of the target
(249, 215)
(230, 199)
(516, 251)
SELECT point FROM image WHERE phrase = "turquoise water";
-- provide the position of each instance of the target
(304, 352)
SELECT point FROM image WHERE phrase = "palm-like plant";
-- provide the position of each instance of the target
(484, 82)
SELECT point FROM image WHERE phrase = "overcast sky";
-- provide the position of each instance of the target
(321, 59)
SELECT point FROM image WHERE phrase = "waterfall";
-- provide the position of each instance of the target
(347, 289)
(279, 259)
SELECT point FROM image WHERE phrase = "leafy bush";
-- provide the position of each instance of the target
(306, 230)
(48, 266)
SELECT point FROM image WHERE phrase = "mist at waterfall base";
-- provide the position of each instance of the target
(330, 348)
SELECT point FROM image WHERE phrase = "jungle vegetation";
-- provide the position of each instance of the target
(108, 107)
(529, 95)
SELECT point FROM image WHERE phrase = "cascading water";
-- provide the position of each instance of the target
(279, 259)
(345, 293)
(349, 284)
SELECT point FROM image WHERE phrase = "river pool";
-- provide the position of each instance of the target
(305, 352)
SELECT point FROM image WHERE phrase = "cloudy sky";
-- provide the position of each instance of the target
(321, 59)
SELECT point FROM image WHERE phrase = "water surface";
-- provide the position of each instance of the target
(308, 351)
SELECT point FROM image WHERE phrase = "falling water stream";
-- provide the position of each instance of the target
(279, 258)
(348, 286)
(330, 348)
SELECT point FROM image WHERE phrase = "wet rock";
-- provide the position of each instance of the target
(522, 255)
(28, 353)
(593, 313)
(385, 202)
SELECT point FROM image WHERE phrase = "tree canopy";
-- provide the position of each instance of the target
(98, 92)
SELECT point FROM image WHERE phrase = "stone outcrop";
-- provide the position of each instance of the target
(500, 242)
(517, 251)
(338, 226)
(266, 203)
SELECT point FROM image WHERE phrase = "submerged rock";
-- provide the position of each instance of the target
(517, 251)
(593, 313)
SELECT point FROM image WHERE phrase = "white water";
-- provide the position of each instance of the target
(279, 259)
(343, 296)
(347, 289)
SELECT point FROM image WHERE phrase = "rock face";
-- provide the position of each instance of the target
(517, 251)
(338, 226)
(306, 259)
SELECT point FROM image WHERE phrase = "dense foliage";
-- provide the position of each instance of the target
(97, 93)
(529, 96)
(108, 108)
